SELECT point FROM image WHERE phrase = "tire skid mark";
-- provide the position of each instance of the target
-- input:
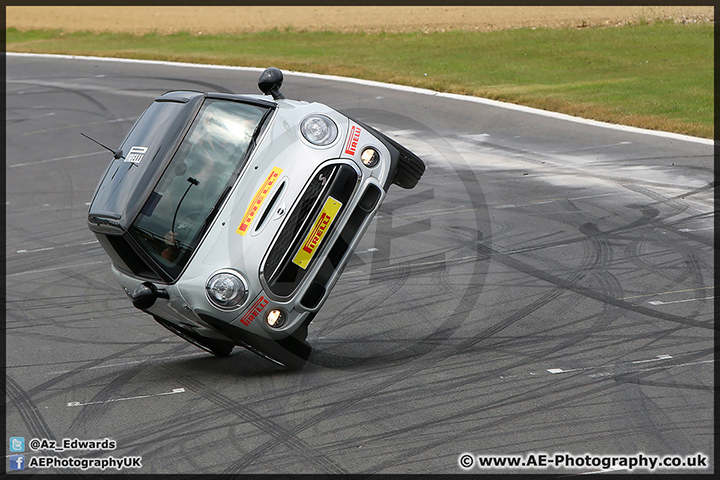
(394, 278)
(562, 396)
(48, 392)
(91, 413)
(695, 191)
(678, 207)
(155, 436)
(28, 410)
(76, 90)
(548, 161)
(691, 265)
(512, 400)
(588, 292)
(587, 229)
(39, 303)
(601, 321)
(650, 221)
(167, 437)
(687, 268)
(31, 417)
(18, 306)
(24, 313)
(278, 433)
(599, 267)
(361, 308)
(419, 365)
(211, 87)
(421, 308)
(636, 379)
(415, 367)
(47, 385)
(675, 202)
(665, 436)
(610, 287)
(635, 253)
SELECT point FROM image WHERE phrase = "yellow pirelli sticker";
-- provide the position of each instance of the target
(317, 232)
(258, 200)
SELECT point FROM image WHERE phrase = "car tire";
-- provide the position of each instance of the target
(409, 170)
(410, 167)
(215, 346)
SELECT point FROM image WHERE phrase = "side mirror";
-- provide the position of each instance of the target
(145, 295)
(270, 82)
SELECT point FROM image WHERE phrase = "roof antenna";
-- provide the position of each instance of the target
(117, 154)
(270, 82)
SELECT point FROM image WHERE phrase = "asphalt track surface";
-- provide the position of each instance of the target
(546, 288)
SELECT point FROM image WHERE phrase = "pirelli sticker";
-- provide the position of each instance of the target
(258, 200)
(318, 231)
(254, 311)
(136, 154)
(352, 141)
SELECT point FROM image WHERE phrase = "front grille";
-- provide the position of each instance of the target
(332, 262)
(298, 216)
(281, 274)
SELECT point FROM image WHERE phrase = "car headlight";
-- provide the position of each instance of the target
(226, 289)
(319, 130)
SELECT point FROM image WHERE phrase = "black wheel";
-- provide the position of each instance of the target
(217, 347)
(410, 168)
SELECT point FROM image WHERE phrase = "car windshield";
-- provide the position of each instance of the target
(196, 181)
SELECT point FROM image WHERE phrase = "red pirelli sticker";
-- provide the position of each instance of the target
(254, 311)
(258, 200)
(352, 142)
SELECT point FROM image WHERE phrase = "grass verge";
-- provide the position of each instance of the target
(658, 76)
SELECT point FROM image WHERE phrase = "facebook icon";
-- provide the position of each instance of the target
(17, 462)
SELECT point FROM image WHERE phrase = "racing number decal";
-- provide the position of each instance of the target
(320, 227)
(258, 200)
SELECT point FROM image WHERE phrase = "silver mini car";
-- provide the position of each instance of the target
(229, 218)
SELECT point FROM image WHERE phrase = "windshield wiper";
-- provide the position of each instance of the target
(193, 182)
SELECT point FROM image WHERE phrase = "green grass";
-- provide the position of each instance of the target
(657, 76)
